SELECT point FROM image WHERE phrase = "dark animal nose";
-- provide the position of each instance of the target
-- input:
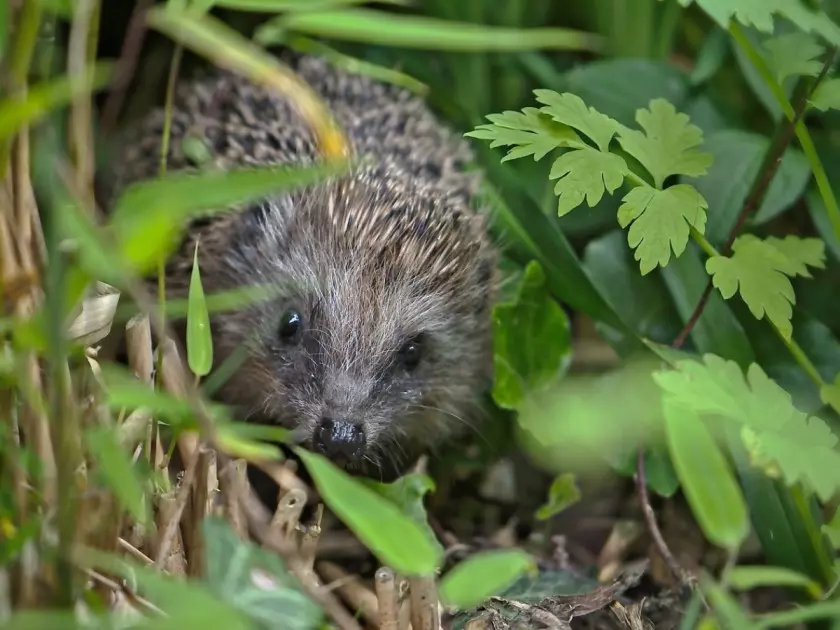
(342, 442)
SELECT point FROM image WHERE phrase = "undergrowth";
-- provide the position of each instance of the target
(97, 515)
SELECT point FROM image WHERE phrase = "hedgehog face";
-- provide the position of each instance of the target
(366, 368)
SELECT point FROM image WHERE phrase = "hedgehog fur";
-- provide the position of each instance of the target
(380, 344)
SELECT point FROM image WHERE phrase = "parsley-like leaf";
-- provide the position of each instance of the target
(531, 133)
(585, 173)
(779, 438)
(760, 269)
(827, 95)
(667, 145)
(794, 54)
(661, 220)
(830, 394)
(569, 109)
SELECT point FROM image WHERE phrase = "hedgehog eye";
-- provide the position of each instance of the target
(290, 324)
(410, 353)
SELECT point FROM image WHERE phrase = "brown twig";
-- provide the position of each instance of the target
(386, 596)
(770, 165)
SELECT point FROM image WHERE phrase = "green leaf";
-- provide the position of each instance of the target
(393, 537)
(114, 463)
(726, 607)
(717, 330)
(483, 575)
(827, 95)
(199, 337)
(794, 54)
(737, 158)
(779, 438)
(830, 394)
(562, 494)
(254, 582)
(569, 109)
(585, 173)
(760, 269)
(42, 98)
(407, 493)
(706, 479)
(427, 33)
(277, 6)
(532, 340)
(530, 131)
(745, 578)
(667, 146)
(149, 216)
(832, 529)
(661, 220)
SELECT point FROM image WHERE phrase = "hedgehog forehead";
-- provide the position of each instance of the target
(399, 230)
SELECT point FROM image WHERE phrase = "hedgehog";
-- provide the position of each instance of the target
(377, 346)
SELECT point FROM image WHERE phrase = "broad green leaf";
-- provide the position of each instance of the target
(229, 439)
(532, 340)
(737, 158)
(483, 575)
(760, 269)
(149, 216)
(254, 582)
(529, 131)
(277, 6)
(667, 145)
(828, 610)
(794, 54)
(779, 438)
(562, 494)
(661, 220)
(706, 479)
(642, 301)
(117, 470)
(407, 493)
(199, 337)
(619, 87)
(569, 109)
(42, 98)
(393, 537)
(427, 33)
(63, 620)
(827, 95)
(746, 577)
(585, 173)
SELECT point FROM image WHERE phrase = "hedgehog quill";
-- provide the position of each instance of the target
(382, 346)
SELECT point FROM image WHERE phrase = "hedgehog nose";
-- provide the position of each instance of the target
(341, 441)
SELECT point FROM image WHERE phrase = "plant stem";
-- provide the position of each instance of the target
(805, 141)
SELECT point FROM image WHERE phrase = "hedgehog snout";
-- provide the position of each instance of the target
(342, 441)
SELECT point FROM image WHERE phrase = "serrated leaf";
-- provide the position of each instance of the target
(115, 466)
(827, 95)
(661, 220)
(199, 338)
(760, 269)
(529, 131)
(794, 54)
(254, 582)
(562, 494)
(585, 173)
(532, 340)
(569, 109)
(667, 146)
(483, 575)
(393, 537)
(706, 479)
(779, 436)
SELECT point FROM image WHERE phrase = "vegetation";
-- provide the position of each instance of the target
(688, 216)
